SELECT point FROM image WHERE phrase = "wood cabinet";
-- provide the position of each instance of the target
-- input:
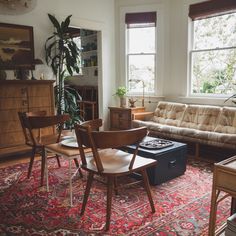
(19, 95)
(121, 118)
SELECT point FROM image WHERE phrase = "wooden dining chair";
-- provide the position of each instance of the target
(32, 123)
(110, 162)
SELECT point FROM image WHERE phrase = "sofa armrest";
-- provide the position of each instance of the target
(142, 115)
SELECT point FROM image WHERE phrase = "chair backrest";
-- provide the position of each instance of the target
(24, 124)
(32, 122)
(95, 140)
(36, 113)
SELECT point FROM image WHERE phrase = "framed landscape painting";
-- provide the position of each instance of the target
(16, 46)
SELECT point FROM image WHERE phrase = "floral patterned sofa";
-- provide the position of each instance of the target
(201, 124)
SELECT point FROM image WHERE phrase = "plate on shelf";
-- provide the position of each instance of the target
(70, 143)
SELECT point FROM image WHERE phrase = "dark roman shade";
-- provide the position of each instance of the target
(138, 19)
(211, 8)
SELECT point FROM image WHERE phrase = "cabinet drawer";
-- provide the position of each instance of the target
(12, 139)
(16, 92)
(13, 103)
(117, 115)
(10, 115)
(38, 102)
(10, 126)
(39, 91)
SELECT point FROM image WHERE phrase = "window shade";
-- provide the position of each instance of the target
(137, 19)
(211, 8)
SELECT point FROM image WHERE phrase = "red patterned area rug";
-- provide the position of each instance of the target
(182, 205)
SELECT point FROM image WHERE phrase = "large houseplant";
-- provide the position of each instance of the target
(62, 55)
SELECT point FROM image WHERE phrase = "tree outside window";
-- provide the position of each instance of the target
(213, 55)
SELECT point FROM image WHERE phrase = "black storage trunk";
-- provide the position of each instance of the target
(171, 161)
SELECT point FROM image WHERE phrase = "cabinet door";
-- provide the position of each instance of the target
(120, 118)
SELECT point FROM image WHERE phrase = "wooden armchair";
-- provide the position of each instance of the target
(110, 162)
(32, 123)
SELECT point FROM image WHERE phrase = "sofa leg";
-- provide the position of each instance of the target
(197, 150)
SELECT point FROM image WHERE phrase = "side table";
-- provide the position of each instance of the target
(224, 180)
(121, 117)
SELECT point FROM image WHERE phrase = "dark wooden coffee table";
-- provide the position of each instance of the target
(171, 160)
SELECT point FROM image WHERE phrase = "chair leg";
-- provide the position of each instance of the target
(76, 162)
(116, 185)
(78, 166)
(110, 181)
(148, 190)
(58, 161)
(87, 191)
(31, 162)
(213, 212)
(43, 166)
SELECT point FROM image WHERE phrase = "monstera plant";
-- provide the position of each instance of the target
(62, 55)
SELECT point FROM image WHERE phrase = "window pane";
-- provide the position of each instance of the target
(141, 68)
(141, 40)
(214, 72)
(215, 32)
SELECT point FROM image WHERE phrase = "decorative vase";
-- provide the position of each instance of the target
(122, 102)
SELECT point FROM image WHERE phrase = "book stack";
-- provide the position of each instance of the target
(230, 229)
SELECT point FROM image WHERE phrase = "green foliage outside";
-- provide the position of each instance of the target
(214, 71)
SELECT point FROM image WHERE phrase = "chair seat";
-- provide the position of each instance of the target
(117, 162)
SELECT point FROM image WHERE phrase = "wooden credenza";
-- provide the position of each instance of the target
(21, 95)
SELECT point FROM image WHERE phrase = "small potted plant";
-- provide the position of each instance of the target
(121, 92)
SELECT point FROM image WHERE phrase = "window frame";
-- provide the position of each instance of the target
(127, 56)
(191, 53)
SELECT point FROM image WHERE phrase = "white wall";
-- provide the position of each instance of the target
(173, 53)
(90, 14)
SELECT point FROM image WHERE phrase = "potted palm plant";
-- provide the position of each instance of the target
(62, 55)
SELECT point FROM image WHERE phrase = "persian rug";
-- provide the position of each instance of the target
(182, 205)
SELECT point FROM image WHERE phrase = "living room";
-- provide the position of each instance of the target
(172, 80)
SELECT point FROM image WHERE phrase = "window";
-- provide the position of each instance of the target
(141, 52)
(213, 52)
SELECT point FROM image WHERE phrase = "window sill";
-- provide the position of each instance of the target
(217, 101)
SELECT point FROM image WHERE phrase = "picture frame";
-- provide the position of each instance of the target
(16, 47)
